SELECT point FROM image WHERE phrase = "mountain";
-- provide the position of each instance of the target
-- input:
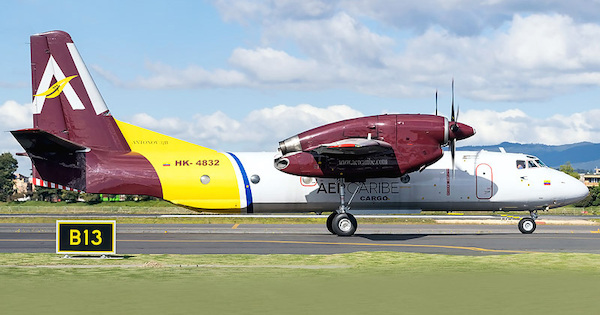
(582, 155)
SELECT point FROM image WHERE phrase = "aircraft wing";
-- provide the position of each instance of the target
(353, 146)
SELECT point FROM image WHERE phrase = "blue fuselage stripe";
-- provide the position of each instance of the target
(250, 206)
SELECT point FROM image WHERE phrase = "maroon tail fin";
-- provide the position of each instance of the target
(75, 142)
(66, 99)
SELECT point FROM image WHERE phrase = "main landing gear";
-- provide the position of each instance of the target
(527, 225)
(340, 222)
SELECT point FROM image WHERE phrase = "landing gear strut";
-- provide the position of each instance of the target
(527, 225)
(341, 222)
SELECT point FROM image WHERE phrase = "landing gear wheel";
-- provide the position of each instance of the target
(330, 222)
(527, 225)
(344, 224)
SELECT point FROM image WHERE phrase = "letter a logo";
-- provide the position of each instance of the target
(45, 91)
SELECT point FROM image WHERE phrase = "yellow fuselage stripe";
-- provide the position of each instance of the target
(190, 175)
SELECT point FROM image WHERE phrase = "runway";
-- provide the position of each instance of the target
(453, 239)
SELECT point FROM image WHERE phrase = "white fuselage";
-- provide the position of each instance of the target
(480, 181)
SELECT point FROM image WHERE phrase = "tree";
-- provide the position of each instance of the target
(593, 199)
(595, 194)
(91, 198)
(568, 169)
(8, 167)
(69, 195)
(45, 193)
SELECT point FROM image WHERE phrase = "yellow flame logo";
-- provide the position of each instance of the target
(57, 88)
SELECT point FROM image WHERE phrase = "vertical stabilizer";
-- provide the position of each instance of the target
(66, 100)
(75, 143)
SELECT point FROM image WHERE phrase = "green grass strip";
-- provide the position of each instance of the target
(357, 283)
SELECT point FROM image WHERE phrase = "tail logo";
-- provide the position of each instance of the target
(57, 88)
(53, 70)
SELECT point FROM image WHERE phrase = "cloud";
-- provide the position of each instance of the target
(15, 116)
(462, 17)
(244, 11)
(318, 45)
(515, 126)
(270, 65)
(163, 76)
(260, 130)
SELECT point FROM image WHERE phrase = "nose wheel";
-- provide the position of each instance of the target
(527, 225)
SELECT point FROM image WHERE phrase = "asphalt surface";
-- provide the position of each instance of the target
(453, 239)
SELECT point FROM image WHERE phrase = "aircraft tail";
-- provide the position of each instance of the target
(75, 143)
(67, 102)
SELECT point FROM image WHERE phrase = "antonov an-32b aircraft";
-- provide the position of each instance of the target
(375, 163)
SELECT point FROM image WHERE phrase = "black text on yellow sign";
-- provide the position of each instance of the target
(85, 237)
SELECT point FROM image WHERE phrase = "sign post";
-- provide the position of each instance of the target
(92, 237)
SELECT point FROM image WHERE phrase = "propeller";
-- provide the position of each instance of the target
(454, 126)
(455, 130)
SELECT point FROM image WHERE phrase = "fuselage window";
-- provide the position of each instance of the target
(520, 164)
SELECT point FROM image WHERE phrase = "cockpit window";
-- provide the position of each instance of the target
(520, 164)
(531, 163)
(540, 163)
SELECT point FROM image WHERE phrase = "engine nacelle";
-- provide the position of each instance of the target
(368, 147)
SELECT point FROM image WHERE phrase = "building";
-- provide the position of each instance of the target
(23, 186)
(591, 180)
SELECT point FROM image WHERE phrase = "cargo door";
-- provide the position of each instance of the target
(484, 180)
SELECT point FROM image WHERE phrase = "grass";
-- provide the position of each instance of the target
(125, 207)
(376, 262)
(225, 220)
(358, 283)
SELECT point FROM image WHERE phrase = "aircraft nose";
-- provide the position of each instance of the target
(576, 190)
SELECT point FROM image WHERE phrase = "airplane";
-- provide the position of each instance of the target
(387, 163)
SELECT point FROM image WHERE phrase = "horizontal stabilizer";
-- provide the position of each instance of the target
(36, 140)
(55, 159)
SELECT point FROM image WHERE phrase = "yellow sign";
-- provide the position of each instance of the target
(86, 237)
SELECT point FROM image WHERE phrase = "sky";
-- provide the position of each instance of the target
(240, 75)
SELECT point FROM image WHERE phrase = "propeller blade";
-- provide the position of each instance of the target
(452, 117)
(453, 154)
(457, 111)
(454, 128)
(436, 102)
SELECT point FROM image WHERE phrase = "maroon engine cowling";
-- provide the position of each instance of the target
(415, 142)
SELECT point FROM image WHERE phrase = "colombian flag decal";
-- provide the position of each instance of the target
(547, 183)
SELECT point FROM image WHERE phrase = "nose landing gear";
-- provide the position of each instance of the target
(341, 222)
(527, 225)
